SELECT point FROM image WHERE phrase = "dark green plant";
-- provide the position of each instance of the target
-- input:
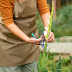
(70, 57)
(70, 68)
(66, 61)
(62, 25)
(58, 68)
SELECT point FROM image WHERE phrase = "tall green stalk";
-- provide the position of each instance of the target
(42, 65)
(50, 24)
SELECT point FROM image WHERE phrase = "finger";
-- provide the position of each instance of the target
(41, 36)
(50, 35)
(52, 39)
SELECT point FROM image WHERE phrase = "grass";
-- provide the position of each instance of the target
(65, 68)
(64, 64)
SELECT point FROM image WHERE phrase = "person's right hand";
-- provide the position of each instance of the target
(33, 40)
(16, 31)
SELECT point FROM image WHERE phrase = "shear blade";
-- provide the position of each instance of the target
(43, 47)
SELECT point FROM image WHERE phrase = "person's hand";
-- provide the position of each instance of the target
(33, 40)
(50, 38)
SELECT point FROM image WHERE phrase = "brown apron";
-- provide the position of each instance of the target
(13, 50)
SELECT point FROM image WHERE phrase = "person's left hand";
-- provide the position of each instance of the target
(51, 37)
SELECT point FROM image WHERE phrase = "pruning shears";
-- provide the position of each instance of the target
(42, 43)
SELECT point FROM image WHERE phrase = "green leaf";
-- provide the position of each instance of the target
(70, 57)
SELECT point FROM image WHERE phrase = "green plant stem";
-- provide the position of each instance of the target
(44, 54)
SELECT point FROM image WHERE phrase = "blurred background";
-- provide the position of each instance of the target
(62, 19)
(62, 28)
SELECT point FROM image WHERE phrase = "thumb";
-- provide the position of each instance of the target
(41, 36)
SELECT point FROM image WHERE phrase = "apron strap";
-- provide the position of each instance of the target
(16, 8)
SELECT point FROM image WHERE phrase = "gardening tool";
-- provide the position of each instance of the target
(42, 43)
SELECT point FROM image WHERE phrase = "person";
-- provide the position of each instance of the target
(18, 49)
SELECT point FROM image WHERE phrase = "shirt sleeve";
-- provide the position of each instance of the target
(6, 12)
(43, 7)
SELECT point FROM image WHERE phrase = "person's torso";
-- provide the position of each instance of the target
(15, 51)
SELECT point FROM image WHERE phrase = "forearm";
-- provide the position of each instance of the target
(16, 31)
(46, 22)
(46, 19)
